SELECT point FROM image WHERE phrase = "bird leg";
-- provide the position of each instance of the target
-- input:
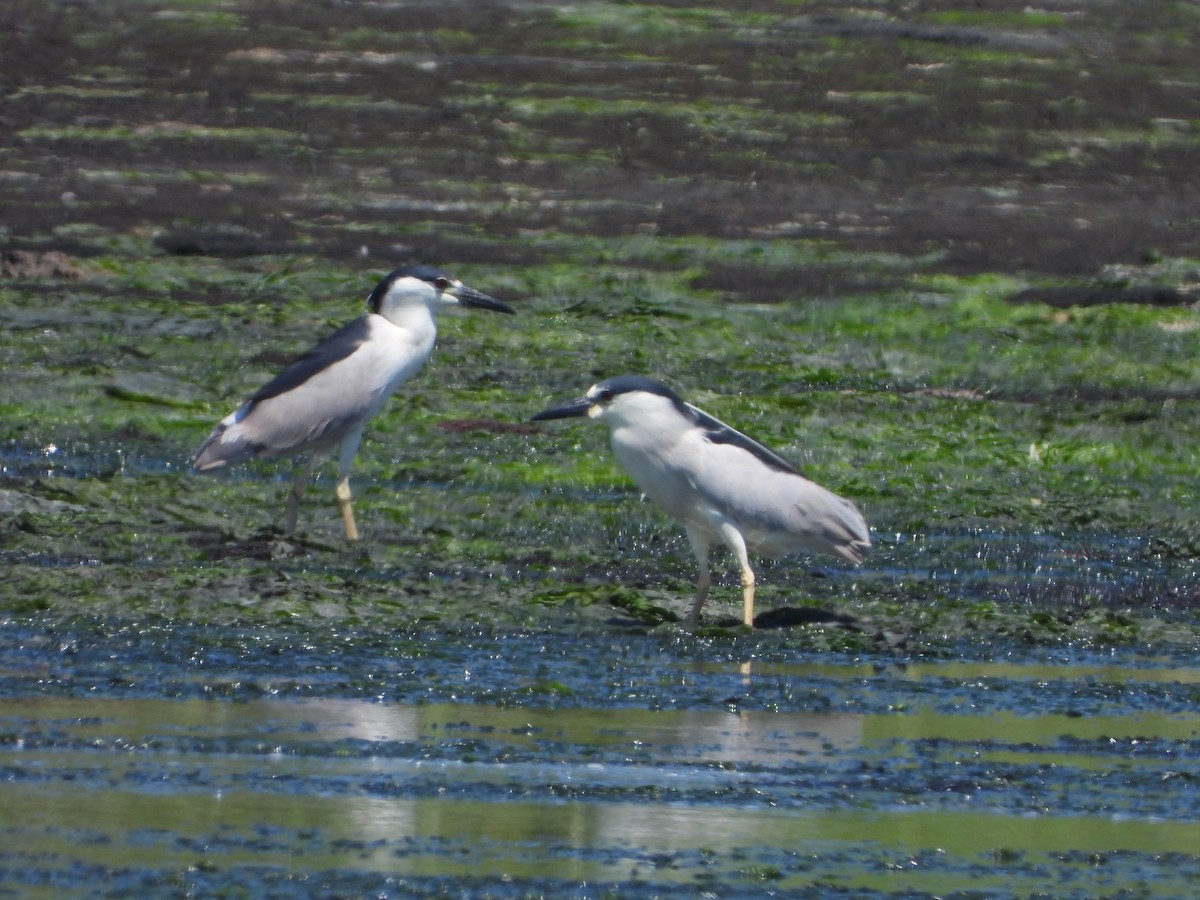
(702, 585)
(343, 498)
(346, 452)
(303, 473)
(748, 596)
(734, 540)
(704, 579)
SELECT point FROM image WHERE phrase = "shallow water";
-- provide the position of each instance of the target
(201, 759)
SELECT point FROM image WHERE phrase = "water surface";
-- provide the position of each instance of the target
(1000, 777)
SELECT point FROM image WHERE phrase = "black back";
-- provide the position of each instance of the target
(336, 347)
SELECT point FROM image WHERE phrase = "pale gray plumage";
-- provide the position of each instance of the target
(325, 398)
(722, 485)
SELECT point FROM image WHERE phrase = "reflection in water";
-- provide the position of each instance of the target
(965, 799)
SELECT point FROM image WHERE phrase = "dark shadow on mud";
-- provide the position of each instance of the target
(1084, 295)
(761, 284)
(974, 166)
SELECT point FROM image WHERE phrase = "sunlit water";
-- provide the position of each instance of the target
(651, 771)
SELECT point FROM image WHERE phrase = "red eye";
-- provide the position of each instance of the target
(605, 396)
(441, 282)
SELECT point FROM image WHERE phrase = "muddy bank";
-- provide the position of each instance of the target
(1051, 142)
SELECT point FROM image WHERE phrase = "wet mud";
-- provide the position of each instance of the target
(1057, 143)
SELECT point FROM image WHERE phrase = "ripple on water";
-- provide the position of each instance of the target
(1008, 777)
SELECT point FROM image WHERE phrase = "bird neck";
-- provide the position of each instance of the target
(415, 317)
(400, 348)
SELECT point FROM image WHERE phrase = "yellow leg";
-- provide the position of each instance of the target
(343, 498)
(734, 540)
(748, 597)
(346, 451)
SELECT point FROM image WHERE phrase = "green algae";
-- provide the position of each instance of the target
(755, 229)
(981, 449)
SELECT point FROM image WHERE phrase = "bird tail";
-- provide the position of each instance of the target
(855, 540)
(854, 551)
(209, 456)
(221, 448)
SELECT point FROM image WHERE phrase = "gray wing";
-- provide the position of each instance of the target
(312, 404)
(778, 510)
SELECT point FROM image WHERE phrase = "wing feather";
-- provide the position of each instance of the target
(778, 510)
(338, 395)
(339, 345)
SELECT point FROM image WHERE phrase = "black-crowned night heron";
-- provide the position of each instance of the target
(722, 485)
(325, 398)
